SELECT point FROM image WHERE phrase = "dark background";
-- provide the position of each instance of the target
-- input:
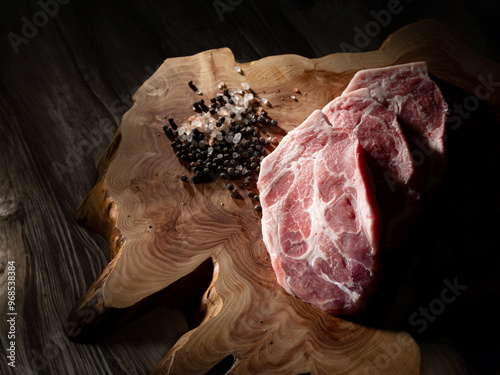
(66, 83)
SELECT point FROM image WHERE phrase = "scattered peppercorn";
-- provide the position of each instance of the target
(192, 86)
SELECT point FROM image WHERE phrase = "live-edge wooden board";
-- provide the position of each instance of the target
(160, 229)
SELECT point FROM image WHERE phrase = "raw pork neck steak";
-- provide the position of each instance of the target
(420, 107)
(319, 216)
(388, 156)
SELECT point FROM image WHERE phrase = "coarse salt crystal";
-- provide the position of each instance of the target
(181, 130)
(238, 69)
(210, 150)
(237, 138)
(196, 122)
(245, 85)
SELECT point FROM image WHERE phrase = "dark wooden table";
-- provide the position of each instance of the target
(68, 70)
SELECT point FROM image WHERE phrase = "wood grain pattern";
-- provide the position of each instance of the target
(75, 78)
(160, 230)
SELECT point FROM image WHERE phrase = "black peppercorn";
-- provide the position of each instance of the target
(192, 86)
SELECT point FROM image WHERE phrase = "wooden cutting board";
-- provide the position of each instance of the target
(161, 229)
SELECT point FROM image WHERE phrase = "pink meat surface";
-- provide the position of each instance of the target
(388, 156)
(320, 220)
(420, 107)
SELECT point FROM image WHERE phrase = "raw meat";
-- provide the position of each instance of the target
(420, 107)
(319, 216)
(388, 156)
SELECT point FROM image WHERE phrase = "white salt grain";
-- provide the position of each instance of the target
(237, 138)
(245, 85)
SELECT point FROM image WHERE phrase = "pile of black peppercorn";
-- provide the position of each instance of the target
(226, 141)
